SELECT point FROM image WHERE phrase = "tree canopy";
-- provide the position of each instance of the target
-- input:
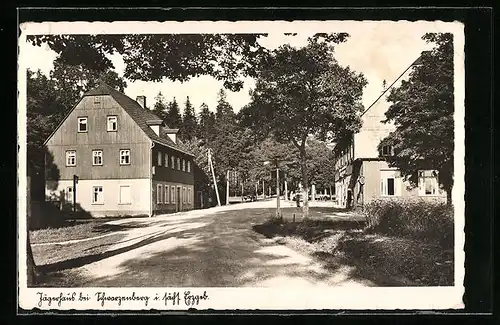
(153, 57)
(302, 92)
(422, 111)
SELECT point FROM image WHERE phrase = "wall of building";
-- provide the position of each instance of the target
(167, 173)
(372, 131)
(138, 204)
(172, 203)
(127, 136)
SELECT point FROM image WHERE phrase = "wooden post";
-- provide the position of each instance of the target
(213, 176)
(227, 188)
(278, 212)
(286, 190)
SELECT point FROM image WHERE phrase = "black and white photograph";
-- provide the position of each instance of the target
(241, 165)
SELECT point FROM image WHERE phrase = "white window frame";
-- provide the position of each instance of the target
(97, 154)
(184, 195)
(189, 195)
(172, 162)
(178, 163)
(97, 100)
(120, 195)
(389, 151)
(166, 194)
(70, 154)
(159, 194)
(421, 183)
(384, 183)
(189, 166)
(110, 123)
(160, 158)
(172, 194)
(124, 153)
(183, 165)
(166, 160)
(95, 189)
(83, 120)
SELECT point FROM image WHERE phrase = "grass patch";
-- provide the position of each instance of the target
(385, 260)
(418, 219)
(49, 254)
(75, 230)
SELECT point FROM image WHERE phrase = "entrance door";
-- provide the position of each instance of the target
(179, 208)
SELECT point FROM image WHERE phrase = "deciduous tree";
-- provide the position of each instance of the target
(304, 91)
(422, 110)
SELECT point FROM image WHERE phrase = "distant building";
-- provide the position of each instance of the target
(127, 160)
(357, 161)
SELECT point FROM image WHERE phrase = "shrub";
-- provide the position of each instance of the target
(430, 220)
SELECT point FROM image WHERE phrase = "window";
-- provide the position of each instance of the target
(159, 194)
(125, 157)
(183, 165)
(189, 196)
(389, 183)
(172, 162)
(71, 158)
(69, 194)
(386, 150)
(166, 160)
(178, 163)
(125, 197)
(165, 195)
(82, 124)
(97, 157)
(97, 195)
(160, 159)
(172, 194)
(189, 166)
(97, 100)
(427, 182)
(112, 123)
(183, 195)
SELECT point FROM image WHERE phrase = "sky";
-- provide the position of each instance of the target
(379, 51)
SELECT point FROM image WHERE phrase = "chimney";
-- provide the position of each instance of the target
(141, 100)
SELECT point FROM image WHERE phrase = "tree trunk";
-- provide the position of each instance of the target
(305, 180)
(448, 196)
(30, 261)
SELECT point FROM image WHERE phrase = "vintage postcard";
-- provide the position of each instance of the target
(270, 165)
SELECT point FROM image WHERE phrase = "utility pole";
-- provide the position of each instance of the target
(227, 188)
(213, 175)
(75, 181)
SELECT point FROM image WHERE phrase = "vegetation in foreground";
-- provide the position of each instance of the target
(383, 245)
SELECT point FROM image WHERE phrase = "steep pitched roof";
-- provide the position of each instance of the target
(142, 116)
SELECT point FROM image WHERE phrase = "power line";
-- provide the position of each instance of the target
(383, 93)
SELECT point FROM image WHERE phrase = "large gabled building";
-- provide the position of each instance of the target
(362, 171)
(127, 161)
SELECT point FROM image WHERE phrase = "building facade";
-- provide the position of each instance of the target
(362, 172)
(126, 159)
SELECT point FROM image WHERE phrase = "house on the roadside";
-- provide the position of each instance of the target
(362, 172)
(126, 160)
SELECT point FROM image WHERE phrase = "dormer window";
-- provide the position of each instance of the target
(387, 151)
(82, 124)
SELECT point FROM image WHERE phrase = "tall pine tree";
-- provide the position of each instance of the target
(173, 118)
(206, 128)
(160, 109)
(189, 123)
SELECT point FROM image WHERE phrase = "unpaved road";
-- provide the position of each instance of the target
(203, 248)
